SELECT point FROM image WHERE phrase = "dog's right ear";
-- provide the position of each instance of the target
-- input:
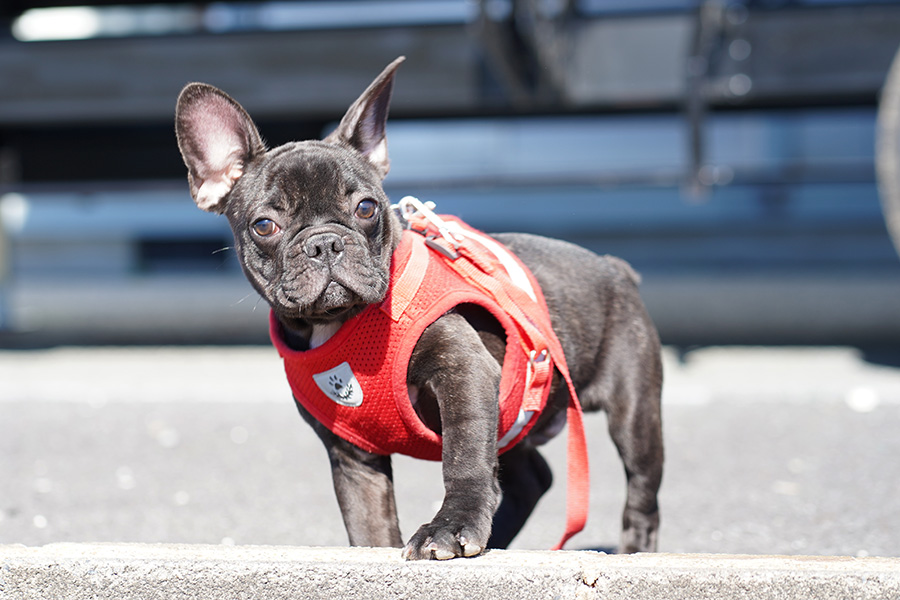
(217, 140)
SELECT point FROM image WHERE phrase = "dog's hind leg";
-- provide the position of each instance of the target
(636, 430)
(643, 472)
(524, 478)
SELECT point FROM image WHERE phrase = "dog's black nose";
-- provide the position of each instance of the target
(326, 247)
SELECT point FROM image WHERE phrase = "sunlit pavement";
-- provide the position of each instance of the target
(769, 450)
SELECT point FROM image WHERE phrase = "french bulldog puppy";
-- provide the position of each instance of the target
(315, 233)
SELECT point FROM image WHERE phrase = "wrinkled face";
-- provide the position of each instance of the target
(314, 231)
(312, 227)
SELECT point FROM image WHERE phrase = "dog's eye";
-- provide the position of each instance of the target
(366, 209)
(265, 227)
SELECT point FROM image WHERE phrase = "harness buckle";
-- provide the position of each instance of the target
(444, 241)
(538, 357)
(434, 242)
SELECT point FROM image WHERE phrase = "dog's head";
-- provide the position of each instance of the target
(313, 229)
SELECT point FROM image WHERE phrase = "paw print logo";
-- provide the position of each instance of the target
(340, 385)
(342, 390)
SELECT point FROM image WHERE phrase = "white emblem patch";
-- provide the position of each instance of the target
(340, 385)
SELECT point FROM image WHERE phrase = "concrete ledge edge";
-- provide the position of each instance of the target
(152, 571)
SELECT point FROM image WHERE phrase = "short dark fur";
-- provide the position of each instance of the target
(328, 256)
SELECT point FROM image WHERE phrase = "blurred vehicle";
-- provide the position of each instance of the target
(725, 148)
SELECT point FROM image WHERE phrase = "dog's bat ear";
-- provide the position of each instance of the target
(363, 126)
(217, 139)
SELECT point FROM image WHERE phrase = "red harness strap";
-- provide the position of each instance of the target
(451, 240)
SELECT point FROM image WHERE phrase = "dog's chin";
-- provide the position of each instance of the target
(335, 304)
(331, 315)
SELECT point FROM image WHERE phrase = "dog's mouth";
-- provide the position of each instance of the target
(334, 303)
(340, 313)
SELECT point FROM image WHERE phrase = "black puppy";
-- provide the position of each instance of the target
(315, 234)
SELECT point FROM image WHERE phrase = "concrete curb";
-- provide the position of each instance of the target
(81, 571)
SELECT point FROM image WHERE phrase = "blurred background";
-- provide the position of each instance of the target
(726, 149)
(743, 156)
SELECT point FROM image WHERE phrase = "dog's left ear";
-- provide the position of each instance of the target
(363, 126)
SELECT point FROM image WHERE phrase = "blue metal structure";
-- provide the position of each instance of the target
(726, 149)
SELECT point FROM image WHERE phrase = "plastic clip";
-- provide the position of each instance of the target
(444, 241)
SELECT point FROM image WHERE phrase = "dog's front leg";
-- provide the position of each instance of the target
(364, 485)
(451, 366)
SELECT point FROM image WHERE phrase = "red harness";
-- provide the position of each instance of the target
(355, 383)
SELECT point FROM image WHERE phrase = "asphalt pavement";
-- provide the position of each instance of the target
(769, 451)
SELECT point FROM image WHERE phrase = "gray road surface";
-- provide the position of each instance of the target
(775, 451)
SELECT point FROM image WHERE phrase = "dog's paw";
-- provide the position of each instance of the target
(445, 540)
